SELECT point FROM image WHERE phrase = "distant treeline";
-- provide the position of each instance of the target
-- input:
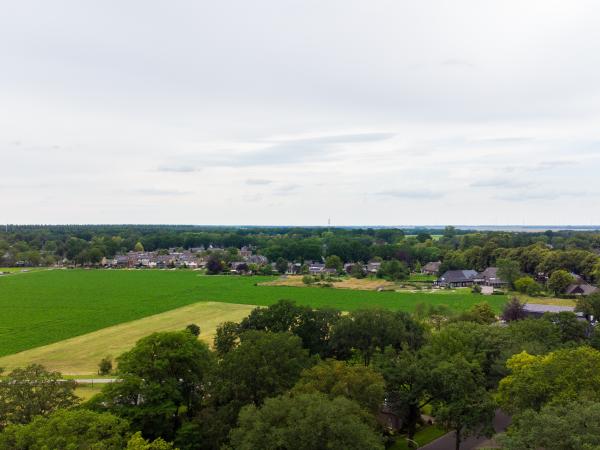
(575, 251)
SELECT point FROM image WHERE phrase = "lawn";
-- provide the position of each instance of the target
(85, 392)
(50, 306)
(422, 277)
(546, 300)
(423, 437)
(80, 355)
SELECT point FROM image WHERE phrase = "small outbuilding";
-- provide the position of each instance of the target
(431, 268)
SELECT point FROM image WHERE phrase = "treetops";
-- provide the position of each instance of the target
(573, 251)
(304, 378)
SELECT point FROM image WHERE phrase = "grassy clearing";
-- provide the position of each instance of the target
(421, 277)
(364, 284)
(423, 437)
(50, 306)
(85, 391)
(81, 355)
(546, 300)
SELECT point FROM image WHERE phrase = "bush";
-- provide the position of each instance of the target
(476, 289)
(513, 310)
(307, 279)
(527, 285)
(393, 270)
(105, 366)
(194, 329)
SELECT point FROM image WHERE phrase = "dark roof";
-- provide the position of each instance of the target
(457, 276)
(581, 288)
(432, 266)
(490, 275)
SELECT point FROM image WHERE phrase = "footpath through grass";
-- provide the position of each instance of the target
(49, 306)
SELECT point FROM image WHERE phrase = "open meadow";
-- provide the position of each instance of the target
(49, 306)
(80, 355)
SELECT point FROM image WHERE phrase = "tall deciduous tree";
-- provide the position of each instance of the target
(560, 376)
(67, 430)
(305, 422)
(559, 281)
(33, 391)
(589, 305)
(462, 403)
(573, 425)
(513, 310)
(527, 285)
(393, 270)
(509, 271)
(215, 264)
(334, 262)
(337, 378)
(262, 365)
(226, 337)
(137, 442)
(281, 265)
(372, 330)
(408, 385)
(162, 380)
(313, 326)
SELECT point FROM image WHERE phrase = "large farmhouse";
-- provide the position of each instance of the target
(462, 278)
(457, 278)
(489, 277)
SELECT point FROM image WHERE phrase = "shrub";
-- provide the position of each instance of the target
(307, 279)
(105, 366)
(528, 285)
(194, 329)
(513, 310)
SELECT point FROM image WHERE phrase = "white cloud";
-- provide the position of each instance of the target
(282, 113)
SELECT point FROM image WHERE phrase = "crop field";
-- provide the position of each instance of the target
(80, 355)
(49, 306)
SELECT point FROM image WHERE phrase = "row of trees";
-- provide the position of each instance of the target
(534, 252)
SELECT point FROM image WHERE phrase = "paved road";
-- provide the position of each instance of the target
(446, 442)
(95, 380)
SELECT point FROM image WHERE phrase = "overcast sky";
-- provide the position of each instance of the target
(293, 112)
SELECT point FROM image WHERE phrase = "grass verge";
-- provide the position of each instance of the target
(423, 437)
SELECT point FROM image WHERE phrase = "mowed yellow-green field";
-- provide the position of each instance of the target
(80, 355)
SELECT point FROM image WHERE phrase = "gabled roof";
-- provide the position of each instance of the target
(581, 288)
(457, 276)
(432, 266)
(491, 275)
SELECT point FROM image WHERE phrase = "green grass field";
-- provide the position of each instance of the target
(423, 437)
(421, 277)
(50, 306)
(80, 355)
